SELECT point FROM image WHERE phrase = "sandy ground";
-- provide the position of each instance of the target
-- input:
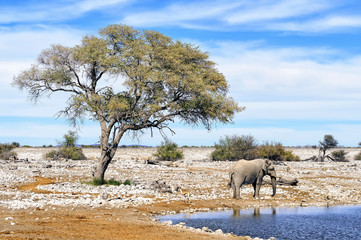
(44, 199)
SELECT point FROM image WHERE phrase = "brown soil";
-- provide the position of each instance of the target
(88, 223)
(98, 223)
(39, 181)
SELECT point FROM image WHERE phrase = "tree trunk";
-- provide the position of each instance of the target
(106, 157)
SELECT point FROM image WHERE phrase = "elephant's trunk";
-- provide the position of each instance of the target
(273, 179)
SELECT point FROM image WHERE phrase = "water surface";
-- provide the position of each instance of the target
(342, 222)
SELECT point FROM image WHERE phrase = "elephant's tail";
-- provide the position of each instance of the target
(230, 179)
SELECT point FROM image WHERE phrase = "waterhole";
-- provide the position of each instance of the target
(341, 222)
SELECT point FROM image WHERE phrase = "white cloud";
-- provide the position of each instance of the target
(19, 49)
(332, 23)
(181, 14)
(347, 135)
(287, 15)
(328, 110)
(26, 44)
(261, 11)
(52, 11)
(287, 74)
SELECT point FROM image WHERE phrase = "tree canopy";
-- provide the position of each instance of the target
(328, 142)
(130, 80)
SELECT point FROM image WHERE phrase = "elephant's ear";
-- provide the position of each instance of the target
(268, 162)
(265, 165)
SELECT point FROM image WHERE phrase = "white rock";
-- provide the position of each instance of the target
(169, 222)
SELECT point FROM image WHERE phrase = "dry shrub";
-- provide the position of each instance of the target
(6, 150)
(358, 156)
(233, 148)
(168, 151)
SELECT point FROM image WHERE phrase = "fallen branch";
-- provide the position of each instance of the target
(282, 181)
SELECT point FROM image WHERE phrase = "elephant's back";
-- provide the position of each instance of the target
(239, 164)
(245, 164)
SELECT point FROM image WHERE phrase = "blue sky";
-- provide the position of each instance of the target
(295, 65)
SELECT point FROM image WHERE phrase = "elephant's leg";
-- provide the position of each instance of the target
(254, 188)
(258, 184)
(234, 190)
(237, 185)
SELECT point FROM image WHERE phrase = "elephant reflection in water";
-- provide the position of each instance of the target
(256, 212)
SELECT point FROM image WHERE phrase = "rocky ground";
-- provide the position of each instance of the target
(46, 199)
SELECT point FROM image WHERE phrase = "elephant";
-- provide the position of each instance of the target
(251, 172)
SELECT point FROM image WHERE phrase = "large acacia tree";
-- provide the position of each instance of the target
(154, 80)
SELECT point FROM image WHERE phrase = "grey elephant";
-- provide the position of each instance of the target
(251, 172)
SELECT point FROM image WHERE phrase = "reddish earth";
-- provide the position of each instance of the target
(97, 223)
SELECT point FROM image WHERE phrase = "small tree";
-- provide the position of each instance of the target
(70, 139)
(233, 148)
(168, 151)
(160, 80)
(327, 143)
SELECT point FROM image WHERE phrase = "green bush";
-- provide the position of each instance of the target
(339, 156)
(127, 182)
(168, 151)
(233, 148)
(99, 182)
(277, 152)
(68, 150)
(73, 153)
(52, 154)
(358, 156)
(6, 151)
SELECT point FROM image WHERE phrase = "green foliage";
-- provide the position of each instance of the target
(113, 182)
(328, 142)
(6, 150)
(275, 151)
(68, 150)
(233, 148)
(99, 182)
(161, 78)
(289, 156)
(96, 182)
(52, 154)
(74, 153)
(358, 156)
(339, 156)
(127, 182)
(168, 151)
(70, 139)
(15, 144)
